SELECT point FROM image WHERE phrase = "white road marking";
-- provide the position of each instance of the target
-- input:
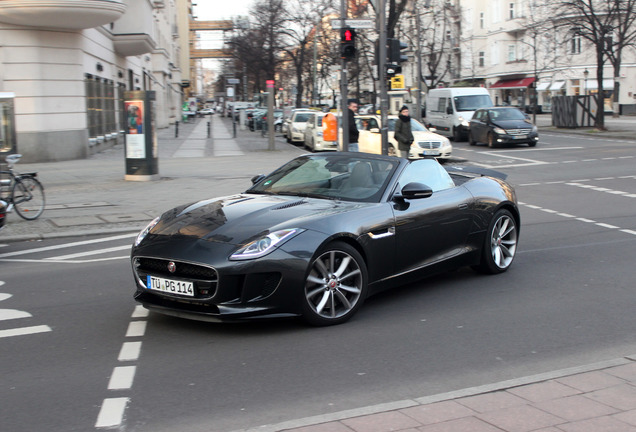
(8, 314)
(140, 312)
(25, 260)
(129, 351)
(88, 253)
(136, 329)
(567, 215)
(67, 245)
(25, 331)
(112, 412)
(122, 378)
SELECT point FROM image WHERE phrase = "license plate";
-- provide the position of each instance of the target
(520, 136)
(170, 286)
(431, 153)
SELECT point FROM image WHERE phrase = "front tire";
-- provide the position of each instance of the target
(500, 244)
(491, 140)
(28, 198)
(471, 139)
(335, 286)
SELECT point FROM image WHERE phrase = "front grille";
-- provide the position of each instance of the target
(518, 131)
(429, 144)
(205, 278)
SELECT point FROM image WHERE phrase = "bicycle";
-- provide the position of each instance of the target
(21, 191)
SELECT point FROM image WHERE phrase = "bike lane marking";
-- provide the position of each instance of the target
(113, 409)
(11, 314)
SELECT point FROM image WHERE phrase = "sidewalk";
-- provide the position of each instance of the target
(594, 398)
(91, 197)
(621, 128)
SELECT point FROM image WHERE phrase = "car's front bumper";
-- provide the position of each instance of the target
(532, 137)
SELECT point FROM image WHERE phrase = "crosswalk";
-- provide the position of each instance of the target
(86, 251)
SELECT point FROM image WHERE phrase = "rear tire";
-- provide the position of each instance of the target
(28, 198)
(500, 244)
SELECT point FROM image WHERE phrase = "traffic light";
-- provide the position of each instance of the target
(395, 57)
(347, 43)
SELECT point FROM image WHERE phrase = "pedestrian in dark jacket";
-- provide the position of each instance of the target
(403, 134)
(353, 130)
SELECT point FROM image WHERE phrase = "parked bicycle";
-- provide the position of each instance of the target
(21, 191)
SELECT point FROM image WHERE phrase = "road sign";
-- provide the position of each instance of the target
(353, 23)
(233, 81)
(397, 82)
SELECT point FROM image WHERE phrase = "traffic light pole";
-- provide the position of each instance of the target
(382, 77)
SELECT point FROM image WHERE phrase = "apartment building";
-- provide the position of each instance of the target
(515, 48)
(68, 63)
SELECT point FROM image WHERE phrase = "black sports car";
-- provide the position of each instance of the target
(320, 234)
(498, 126)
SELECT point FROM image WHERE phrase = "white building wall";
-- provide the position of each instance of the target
(47, 70)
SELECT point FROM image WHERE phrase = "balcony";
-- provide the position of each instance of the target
(61, 14)
(134, 33)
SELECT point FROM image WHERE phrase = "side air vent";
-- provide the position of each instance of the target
(289, 205)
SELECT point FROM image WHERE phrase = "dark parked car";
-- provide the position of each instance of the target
(501, 126)
(320, 234)
(3, 214)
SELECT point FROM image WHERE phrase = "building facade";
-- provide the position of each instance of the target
(68, 63)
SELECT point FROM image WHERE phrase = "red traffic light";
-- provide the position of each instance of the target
(347, 43)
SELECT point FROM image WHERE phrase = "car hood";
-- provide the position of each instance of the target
(513, 124)
(238, 219)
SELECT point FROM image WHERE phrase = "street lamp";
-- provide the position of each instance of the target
(586, 73)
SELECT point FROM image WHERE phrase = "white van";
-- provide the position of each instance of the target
(449, 110)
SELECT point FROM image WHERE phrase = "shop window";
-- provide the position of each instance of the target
(100, 107)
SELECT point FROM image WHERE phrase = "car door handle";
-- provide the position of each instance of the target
(382, 234)
(462, 206)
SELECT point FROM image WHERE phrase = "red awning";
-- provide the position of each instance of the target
(513, 84)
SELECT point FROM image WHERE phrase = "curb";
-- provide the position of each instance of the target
(426, 400)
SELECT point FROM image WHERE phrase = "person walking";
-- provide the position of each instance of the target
(403, 134)
(353, 129)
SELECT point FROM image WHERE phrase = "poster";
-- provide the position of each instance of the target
(135, 146)
(135, 116)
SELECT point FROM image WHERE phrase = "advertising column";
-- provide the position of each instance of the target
(142, 163)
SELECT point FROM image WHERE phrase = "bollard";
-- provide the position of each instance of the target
(176, 129)
(234, 130)
(208, 129)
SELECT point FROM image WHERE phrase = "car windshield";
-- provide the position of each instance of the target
(506, 114)
(472, 102)
(415, 125)
(301, 117)
(346, 177)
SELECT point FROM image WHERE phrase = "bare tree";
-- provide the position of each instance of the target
(624, 35)
(302, 23)
(592, 20)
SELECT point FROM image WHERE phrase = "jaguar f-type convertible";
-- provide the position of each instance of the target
(320, 234)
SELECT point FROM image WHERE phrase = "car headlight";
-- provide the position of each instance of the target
(144, 232)
(499, 131)
(462, 121)
(265, 244)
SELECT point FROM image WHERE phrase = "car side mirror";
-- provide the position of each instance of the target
(449, 109)
(416, 190)
(257, 178)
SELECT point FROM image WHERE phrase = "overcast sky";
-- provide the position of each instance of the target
(208, 10)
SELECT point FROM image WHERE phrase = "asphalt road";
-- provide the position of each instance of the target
(568, 300)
